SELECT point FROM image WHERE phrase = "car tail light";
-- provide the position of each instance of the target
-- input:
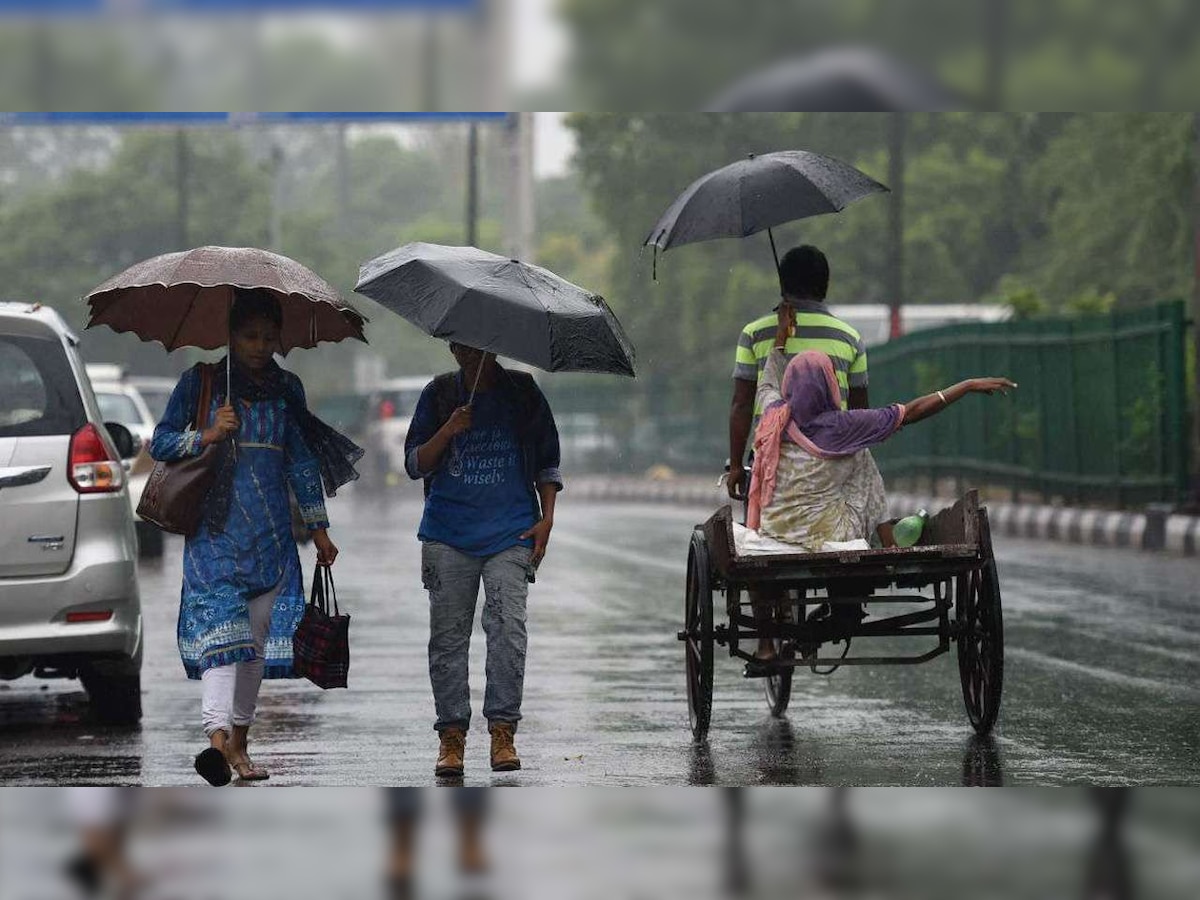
(92, 468)
(92, 615)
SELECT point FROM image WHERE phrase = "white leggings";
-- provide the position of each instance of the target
(231, 692)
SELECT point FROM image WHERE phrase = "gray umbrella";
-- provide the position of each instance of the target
(758, 193)
(499, 305)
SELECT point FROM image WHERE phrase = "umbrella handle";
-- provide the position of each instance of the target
(478, 372)
(229, 365)
(774, 252)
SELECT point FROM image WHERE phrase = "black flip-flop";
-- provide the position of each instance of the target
(213, 767)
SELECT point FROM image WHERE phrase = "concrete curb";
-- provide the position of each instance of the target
(1155, 530)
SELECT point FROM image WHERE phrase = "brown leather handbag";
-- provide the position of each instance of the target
(175, 492)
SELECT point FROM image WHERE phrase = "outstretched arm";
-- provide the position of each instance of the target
(932, 404)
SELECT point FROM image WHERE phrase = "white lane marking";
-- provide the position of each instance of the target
(1131, 681)
(595, 548)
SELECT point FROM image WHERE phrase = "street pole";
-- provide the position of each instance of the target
(181, 188)
(995, 17)
(895, 274)
(343, 181)
(275, 223)
(473, 184)
(519, 225)
(430, 53)
(1195, 405)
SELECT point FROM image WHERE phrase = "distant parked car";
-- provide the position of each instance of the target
(155, 391)
(122, 401)
(586, 442)
(389, 413)
(69, 601)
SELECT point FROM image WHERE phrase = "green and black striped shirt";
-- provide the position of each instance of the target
(816, 329)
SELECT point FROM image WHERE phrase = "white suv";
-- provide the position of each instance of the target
(69, 602)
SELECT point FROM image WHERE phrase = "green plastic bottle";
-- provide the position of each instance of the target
(908, 530)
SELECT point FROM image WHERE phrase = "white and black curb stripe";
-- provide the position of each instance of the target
(1156, 529)
(1153, 530)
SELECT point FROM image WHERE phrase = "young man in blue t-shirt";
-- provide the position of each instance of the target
(491, 477)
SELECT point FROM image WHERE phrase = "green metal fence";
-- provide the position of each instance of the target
(1100, 415)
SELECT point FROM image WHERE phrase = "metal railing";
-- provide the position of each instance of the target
(1100, 416)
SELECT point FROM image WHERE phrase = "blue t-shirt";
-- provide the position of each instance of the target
(480, 501)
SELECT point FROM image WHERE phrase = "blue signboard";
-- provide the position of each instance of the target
(180, 119)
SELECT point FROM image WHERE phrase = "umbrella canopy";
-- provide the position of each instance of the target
(499, 305)
(758, 193)
(183, 299)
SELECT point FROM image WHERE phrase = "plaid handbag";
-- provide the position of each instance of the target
(321, 644)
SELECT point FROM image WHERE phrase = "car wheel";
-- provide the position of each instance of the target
(150, 540)
(115, 690)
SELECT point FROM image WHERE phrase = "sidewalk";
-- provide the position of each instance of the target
(1152, 530)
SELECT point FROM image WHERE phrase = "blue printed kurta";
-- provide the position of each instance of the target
(256, 551)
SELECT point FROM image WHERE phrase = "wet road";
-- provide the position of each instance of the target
(1103, 659)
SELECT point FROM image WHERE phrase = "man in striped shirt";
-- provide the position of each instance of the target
(804, 280)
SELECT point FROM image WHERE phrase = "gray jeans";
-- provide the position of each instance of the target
(452, 579)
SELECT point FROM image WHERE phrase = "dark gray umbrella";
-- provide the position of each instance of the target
(499, 305)
(758, 193)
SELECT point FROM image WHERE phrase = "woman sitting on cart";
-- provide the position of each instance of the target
(814, 479)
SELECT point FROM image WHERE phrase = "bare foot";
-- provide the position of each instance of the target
(766, 651)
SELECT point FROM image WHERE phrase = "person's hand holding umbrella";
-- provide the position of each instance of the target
(226, 425)
(786, 326)
(430, 454)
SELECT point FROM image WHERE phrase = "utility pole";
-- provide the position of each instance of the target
(897, 126)
(473, 184)
(343, 180)
(275, 223)
(430, 64)
(1195, 492)
(181, 188)
(519, 227)
(995, 20)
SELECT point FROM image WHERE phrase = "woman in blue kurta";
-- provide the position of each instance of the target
(243, 593)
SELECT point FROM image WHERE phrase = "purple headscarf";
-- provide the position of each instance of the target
(811, 415)
(818, 422)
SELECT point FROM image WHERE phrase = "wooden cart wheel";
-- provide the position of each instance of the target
(981, 637)
(779, 685)
(698, 647)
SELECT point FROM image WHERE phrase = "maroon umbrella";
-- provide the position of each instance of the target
(183, 299)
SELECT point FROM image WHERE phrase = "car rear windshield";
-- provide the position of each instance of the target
(116, 407)
(156, 400)
(38, 392)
